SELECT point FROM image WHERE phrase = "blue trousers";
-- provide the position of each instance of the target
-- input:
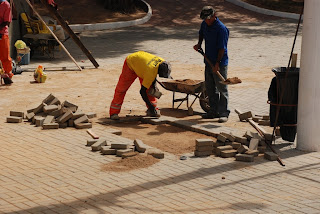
(217, 92)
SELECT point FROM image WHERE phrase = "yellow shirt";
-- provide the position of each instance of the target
(145, 65)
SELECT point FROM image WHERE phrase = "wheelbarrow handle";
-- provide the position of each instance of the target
(200, 50)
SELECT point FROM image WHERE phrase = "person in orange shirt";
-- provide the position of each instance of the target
(146, 67)
(5, 20)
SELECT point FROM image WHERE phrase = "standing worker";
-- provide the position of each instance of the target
(145, 66)
(5, 20)
(216, 35)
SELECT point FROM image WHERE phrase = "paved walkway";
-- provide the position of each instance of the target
(52, 171)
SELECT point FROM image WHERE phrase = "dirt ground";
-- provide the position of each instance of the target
(92, 89)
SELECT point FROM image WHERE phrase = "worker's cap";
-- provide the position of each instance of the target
(164, 70)
(207, 12)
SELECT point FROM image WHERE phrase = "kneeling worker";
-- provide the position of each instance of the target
(145, 66)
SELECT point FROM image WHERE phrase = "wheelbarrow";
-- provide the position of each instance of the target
(189, 87)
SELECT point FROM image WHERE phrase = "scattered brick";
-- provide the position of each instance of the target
(29, 116)
(255, 153)
(270, 156)
(55, 101)
(244, 157)
(119, 146)
(120, 152)
(140, 146)
(48, 99)
(83, 125)
(97, 145)
(262, 149)
(254, 144)
(50, 126)
(156, 153)
(63, 125)
(17, 114)
(39, 120)
(71, 123)
(242, 149)
(68, 115)
(204, 148)
(91, 142)
(228, 153)
(222, 148)
(39, 108)
(13, 119)
(57, 113)
(91, 115)
(77, 115)
(106, 150)
(129, 154)
(50, 108)
(235, 145)
(204, 142)
(264, 122)
(218, 143)
(222, 137)
(202, 154)
(230, 137)
(48, 119)
(242, 140)
(83, 119)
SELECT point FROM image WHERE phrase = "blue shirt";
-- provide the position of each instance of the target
(216, 37)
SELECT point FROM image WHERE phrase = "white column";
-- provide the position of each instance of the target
(308, 138)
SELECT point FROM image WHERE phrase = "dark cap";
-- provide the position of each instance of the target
(164, 70)
(207, 12)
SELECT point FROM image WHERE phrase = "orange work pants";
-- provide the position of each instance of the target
(5, 55)
(126, 79)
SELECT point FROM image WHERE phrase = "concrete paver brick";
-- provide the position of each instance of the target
(57, 113)
(262, 149)
(106, 150)
(244, 157)
(55, 101)
(204, 142)
(83, 119)
(230, 137)
(65, 117)
(204, 148)
(17, 114)
(129, 154)
(254, 144)
(270, 156)
(50, 126)
(140, 146)
(39, 108)
(48, 99)
(13, 119)
(48, 119)
(222, 148)
(91, 115)
(242, 140)
(244, 116)
(264, 122)
(242, 149)
(202, 153)
(83, 125)
(50, 108)
(68, 104)
(39, 120)
(120, 152)
(63, 125)
(119, 146)
(228, 153)
(77, 114)
(235, 145)
(218, 143)
(91, 142)
(97, 145)
(222, 137)
(155, 153)
(70, 123)
(29, 116)
(255, 153)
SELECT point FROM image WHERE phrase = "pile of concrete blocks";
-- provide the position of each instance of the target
(54, 114)
(263, 120)
(123, 150)
(243, 148)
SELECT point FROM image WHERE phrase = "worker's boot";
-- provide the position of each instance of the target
(114, 117)
(149, 114)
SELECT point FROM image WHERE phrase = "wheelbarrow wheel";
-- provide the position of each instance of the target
(204, 101)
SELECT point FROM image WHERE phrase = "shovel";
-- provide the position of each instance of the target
(229, 81)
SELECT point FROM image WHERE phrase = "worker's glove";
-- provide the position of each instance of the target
(154, 91)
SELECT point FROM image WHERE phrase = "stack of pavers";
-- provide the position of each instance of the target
(243, 148)
(52, 114)
(123, 149)
(204, 147)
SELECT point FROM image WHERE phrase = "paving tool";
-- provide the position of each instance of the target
(228, 81)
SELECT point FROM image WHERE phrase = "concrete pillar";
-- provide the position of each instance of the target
(308, 138)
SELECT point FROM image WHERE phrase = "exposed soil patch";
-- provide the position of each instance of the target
(278, 5)
(164, 137)
(136, 162)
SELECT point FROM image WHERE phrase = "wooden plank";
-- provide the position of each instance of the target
(40, 18)
(66, 27)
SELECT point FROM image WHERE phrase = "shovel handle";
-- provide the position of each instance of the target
(211, 65)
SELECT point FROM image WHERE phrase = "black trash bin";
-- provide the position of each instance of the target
(287, 119)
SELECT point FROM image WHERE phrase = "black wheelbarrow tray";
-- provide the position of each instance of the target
(188, 87)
